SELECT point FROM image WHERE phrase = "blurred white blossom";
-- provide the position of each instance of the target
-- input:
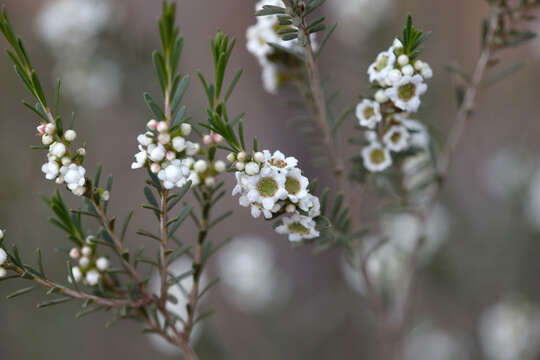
(532, 205)
(427, 342)
(510, 330)
(250, 277)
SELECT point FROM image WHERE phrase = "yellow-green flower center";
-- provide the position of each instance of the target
(407, 91)
(377, 156)
(267, 187)
(381, 63)
(292, 185)
(395, 137)
(369, 112)
(278, 163)
(298, 228)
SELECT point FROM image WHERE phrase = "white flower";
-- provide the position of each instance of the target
(156, 152)
(70, 135)
(257, 210)
(279, 162)
(270, 78)
(76, 274)
(74, 177)
(376, 157)
(259, 35)
(220, 166)
(179, 143)
(252, 168)
(192, 148)
(194, 178)
(242, 156)
(380, 69)
(47, 139)
(140, 159)
(396, 45)
(368, 113)
(50, 169)
(296, 185)
(102, 264)
(3, 256)
(92, 277)
(393, 77)
(57, 149)
(311, 204)
(174, 174)
(200, 166)
(185, 128)
(407, 70)
(266, 188)
(396, 138)
(298, 227)
(424, 68)
(405, 94)
(75, 253)
(144, 139)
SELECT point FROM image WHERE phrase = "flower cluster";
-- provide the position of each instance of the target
(63, 166)
(386, 117)
(272, 184)
(167, 153)
(263, 33)
(90, 267)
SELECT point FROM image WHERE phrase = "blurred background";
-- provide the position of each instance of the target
(478, 294)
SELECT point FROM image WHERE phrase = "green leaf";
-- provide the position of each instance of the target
(154, 109)
(20, 292)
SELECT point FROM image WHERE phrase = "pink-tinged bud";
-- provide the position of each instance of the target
(171, 155)
(81, 151)
(164, 138)
(290, 208)
(217, 138)
(162, 126)
(155, 168)
(75, 253)
(50, 128)
(207, 140)
(152, 124)
(41, 129)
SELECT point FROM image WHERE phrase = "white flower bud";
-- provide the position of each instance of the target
(3, 256)
(1, 234)
(50, 128)
(397, 44)
(152, 124)
(66, 161)
(170, 155)
(188, 162)
(92, 277)
(3, 272)
(241, 156)
(84, 262)
(380, 96)
(192, 148)
(403, 60)
(164, 138)
(217, 138)
(70, 135)
(81, 151)
(86, 251)
(240, 166)
(252, 168)
(75, 253)
(258, 157)
(200, 166)
(231, 157)
(179, 143)
(60, 180)
(220, 166)
(291, 208)
(162, 126)
(47, 139)
(155, 168)
(207, 140)
(418, 65)
(106, 195)
(41, 129)
(407, 70)
(209, 181)
(394, 75)
(76, 274)
(90, 239)
(186, 129)
(102, 264)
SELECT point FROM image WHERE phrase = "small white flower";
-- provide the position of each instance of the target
(188, 162)
(407, 70)
(76, 273)
(393, 77)
(310, 204)
(75, 253)
(3, 272)
(57, 149)
(156, 152)
(185, 128)
(86, 250)
(207, 140)
(51, 170)
(155, 168)
(426, 71)
(175, 174)
(179, 143)
(70, 135)
(92, 277)
(47, 139)
(192, 148)
(140, 159)
(102, 264)
(66, 161)
(298, 227)
(84, 262)
(194, 178)
(405, 94)
(396, 138)
(279, 162)
(368, 113)
(162, 126)
(380, 69)
(41, 129)
(252, 168)
(267, 188)
(79, 191)
(376, 157)
(220, 166)
(74, 176)
(296, 185)
(403, 60)
(259, 35)
(3, 256)
(200, 166)
(144, 140)
(397, 44)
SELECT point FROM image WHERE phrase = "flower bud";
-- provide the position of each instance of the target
(291, 208)
(1, 234)
(394, 75)
(380, 96)
(240, 166)
(164, 138)
(106, 195)
(162, 126)
(81, 151)
(419, 65)
(76, 274)
(170, 155)
(41, 129)
(3, 272)
(50, 128)
(84, 262)
(209, 181)
(403, 60)
(70, 135)
(231, 157)
(220, 166)
(207, 140)
(102, 264)
(152, 124)
(75, 253)
(217, 138)
(66, 161)
(407, 70)
(86, 251)
(155, 168)
(90, 239)
(252, 168)
(258, 157)
(47, 139)
(60, 180)
(92, 277)
(185, 128)
(241, 156)
(3, 256)
(200, 166)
